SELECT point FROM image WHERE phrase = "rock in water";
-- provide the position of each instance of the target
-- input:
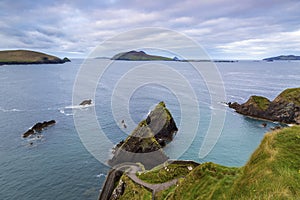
(142, 145)
(38, 127)
(86, 102)
(284, 108)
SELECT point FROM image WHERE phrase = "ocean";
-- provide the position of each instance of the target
(60, 163)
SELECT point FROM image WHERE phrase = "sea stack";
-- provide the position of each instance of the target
(144, 145)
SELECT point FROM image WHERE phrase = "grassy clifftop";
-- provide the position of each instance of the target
(289, 95)
(272, 172)
(259, 101)
(28, 57)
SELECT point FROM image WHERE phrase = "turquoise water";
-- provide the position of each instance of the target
(57, 165)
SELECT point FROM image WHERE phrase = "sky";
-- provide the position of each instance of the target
(226, 29)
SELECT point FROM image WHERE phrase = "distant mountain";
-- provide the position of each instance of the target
(138, 56)
(28, 57)
(283, 57)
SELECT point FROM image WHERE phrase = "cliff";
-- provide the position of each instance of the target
(272, 172)
(144, 145)
(138, 56)
(28, 57)
(284, 108)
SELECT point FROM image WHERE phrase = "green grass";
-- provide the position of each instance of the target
(207, 181)
(134, 191)
(165, 194)
(290, 95)
(161, 173)
(272, 172)
(262, 102)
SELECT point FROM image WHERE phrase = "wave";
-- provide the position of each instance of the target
(100, 175)
(11, 110)
(70, 110)
(62, 111)
(78, 106)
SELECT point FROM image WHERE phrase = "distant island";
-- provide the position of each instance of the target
(10, 57)
(139, 56)
(283, 57)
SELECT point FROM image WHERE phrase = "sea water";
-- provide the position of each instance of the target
(58, 166)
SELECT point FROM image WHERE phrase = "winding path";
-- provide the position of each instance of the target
(152, 187)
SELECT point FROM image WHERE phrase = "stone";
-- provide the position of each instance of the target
(86, 102)
(38, 127)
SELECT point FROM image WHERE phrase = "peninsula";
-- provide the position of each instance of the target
(12, 57)
(138, 56)
(285, 108)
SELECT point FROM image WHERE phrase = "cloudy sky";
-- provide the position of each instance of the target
(224, 28)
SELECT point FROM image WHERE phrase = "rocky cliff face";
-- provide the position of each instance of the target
(284, 108)
(145, 143)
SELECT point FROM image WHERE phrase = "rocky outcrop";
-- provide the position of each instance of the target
(86, 102)
(38, 127)
(284, 108)
(145, 143)
(65, 59)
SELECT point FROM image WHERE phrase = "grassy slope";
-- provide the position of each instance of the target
(289, 95)
(161, 174)
(25, 56)
(134, 191)
(262, 102)
(272, 172)
(207, 181)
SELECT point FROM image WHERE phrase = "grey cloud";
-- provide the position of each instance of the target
(224, 28)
